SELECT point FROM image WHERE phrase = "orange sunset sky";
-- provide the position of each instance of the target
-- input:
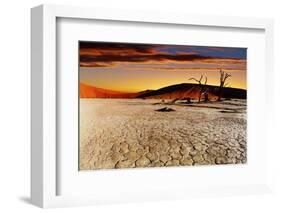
(130, 67)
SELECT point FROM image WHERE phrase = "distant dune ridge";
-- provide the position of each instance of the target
(184, 90)
(87, 91)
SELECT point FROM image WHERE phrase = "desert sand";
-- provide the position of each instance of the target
(129, 133)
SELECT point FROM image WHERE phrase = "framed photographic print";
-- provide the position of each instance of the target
(130, 102)
(154, 105)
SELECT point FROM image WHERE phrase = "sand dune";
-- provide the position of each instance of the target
(192, 92)
(184, 90)
(87, 91)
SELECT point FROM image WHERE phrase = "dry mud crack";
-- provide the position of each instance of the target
(130, 134)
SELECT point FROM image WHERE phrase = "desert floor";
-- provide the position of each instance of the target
(129, 133)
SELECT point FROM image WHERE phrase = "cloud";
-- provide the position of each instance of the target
(93, 60)
(188, 69)
(142, 48)
(102, 54)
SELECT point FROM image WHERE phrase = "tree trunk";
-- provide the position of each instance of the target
(220, 93)
(206, 97)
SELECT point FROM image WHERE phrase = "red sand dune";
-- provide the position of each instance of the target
(187, 90)
(192, 93)
(87, 91)
(181, 91)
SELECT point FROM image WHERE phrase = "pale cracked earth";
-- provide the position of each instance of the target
(129, 133)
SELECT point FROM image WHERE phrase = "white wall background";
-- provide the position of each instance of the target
(15, 98)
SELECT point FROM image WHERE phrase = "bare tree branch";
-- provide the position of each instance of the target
(201, 78)
(223, 77)
(202, 86)
(194, 79)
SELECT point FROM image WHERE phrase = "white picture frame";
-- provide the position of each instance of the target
(44, 153)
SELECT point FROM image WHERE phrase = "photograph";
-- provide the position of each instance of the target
(161, 105)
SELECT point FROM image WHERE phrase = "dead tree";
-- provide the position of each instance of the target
(206, 95)
(202, 86)
(223, 77)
